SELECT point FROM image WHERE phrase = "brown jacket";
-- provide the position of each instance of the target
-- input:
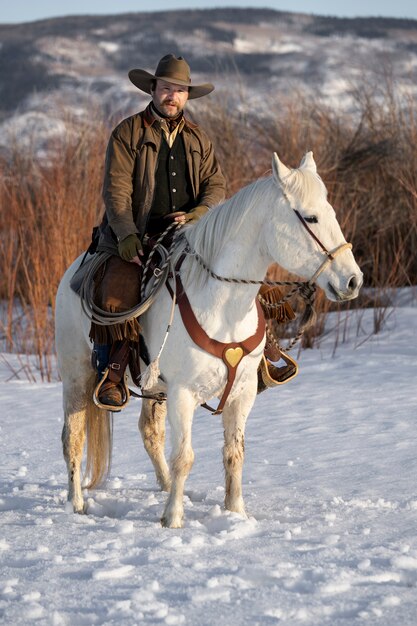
(131, 161)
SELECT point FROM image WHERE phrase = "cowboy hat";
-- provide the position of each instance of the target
(172, 70)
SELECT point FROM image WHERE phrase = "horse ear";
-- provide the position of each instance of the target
(280, 170)
(308, 162)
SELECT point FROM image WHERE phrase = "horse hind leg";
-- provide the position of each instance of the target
(152, 429)
(83, 418)
(73, 437)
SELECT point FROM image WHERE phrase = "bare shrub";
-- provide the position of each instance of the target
(48, 208)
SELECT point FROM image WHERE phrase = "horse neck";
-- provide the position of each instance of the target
(222, 305)
(242, 256)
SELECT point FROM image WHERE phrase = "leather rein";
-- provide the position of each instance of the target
(232, 353)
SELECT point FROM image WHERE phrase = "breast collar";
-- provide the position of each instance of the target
(231, 353)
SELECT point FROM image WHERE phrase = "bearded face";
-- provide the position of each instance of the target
(169, 98)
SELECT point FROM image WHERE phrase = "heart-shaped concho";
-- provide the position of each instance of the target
(233, 356)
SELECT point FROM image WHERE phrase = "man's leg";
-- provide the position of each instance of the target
(118, 289)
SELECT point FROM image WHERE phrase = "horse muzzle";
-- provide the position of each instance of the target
(351, 292)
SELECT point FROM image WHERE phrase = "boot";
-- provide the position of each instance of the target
(110, 362)
(111, 394)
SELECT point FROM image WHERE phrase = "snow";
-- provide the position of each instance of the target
(109, 46)
(329, 483)
(265, 46)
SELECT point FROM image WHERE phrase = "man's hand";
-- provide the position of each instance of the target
(195, 214)
(130, 248)
(180, 217)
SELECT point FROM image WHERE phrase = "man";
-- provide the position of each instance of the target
(160, 167)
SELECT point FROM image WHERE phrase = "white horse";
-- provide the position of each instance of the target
(238, 239)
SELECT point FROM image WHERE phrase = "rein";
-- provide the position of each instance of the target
(306, 289)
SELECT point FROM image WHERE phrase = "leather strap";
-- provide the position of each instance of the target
(119, 357)
(310, 232)
(231, 353)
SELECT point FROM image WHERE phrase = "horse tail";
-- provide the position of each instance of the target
(99, 426)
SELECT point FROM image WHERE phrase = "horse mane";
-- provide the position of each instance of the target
(210, 234)
(216, 227)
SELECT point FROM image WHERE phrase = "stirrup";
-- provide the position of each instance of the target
(270, 375)
(109, 407)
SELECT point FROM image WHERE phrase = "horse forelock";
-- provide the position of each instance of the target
(305, 186)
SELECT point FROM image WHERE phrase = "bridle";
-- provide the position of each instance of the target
(330, 256)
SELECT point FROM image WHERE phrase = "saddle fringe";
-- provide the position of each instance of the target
(270, 298)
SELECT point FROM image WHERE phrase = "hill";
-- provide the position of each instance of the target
(79, 64)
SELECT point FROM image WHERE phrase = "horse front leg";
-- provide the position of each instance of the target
(152, 429)
(180, 413)
(234, 422)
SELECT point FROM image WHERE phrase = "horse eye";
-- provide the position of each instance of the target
(312, 219)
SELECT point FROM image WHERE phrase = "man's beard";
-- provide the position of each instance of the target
(160, 108)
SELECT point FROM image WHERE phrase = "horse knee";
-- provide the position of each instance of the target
(152, 428)
(182, 462)
(233, 453)
(73, 435)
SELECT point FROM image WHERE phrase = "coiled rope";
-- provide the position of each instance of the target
(157, 279)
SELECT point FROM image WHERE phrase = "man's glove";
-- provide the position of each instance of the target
(130, 247)
(195, 214)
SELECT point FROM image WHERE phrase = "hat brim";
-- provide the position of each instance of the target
(142, 80)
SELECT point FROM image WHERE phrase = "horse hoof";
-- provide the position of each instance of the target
(236, 507)
(76, 506)
(174, 523)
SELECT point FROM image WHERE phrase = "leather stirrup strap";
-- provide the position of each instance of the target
(231, 353)
(119, 357)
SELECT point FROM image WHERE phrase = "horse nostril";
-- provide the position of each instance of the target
(353, 283)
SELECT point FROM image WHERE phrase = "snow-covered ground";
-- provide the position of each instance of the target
(330, 487)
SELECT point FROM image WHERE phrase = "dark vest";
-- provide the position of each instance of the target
(173, 190)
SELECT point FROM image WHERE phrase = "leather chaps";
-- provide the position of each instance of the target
(116, 289)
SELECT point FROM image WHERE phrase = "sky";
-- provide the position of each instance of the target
(27, 10)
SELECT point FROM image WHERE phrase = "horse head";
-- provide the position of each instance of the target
(303, 234)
